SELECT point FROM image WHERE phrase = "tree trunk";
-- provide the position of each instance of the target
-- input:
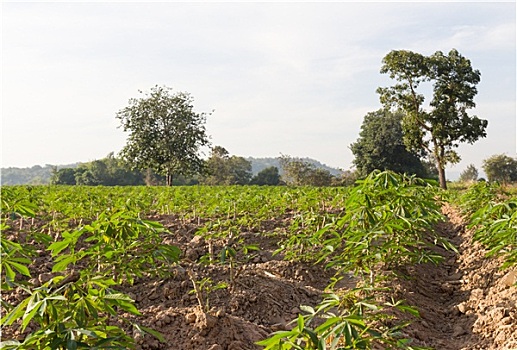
(439, 154)
(169, 178)
(441, 177)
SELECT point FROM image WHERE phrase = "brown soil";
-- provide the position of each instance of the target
(466, 302)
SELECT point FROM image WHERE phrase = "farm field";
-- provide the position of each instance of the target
(389, 263)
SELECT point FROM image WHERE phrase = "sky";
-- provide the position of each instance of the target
(290, 78)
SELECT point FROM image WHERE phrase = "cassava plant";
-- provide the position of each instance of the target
(117, 244)
(74, 311)
(387, 223)
(349, 320)
(495, 227)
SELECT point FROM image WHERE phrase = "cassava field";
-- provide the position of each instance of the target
(391, 263)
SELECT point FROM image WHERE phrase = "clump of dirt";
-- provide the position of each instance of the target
(465, 302)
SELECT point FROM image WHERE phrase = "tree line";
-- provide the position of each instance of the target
(220, 168)
(411, 133)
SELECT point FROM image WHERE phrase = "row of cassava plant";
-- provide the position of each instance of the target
(80, 307)
(492, 214)
(387, 223)
(248, 206)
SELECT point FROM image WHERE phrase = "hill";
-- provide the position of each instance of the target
(259, 164)
(36, 175)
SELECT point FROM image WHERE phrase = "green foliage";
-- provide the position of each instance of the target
(268, 176)
(346, 178)
(381, 146)
(72, 312)
(380, 222)
(203, 288)
(348, 320)
(35, 175)
(72, 309)
(496, 229)
(387, 222)
(478, 195)
(121, 245)
(14, 259)
(500, 167)
(225, 170)
(109, 171)
(165, 134)
(446, 123)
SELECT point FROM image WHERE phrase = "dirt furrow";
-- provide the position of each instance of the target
(465, 302)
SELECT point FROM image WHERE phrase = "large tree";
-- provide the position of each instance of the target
(438, 128)
(165, 134)
(381, 146)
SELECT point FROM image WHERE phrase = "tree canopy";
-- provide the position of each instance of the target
(269, 176)
(500, 167)
(381, 146)
(109, 171)
(223, 169)
(165, 133)
(298, 172)
(438, 128)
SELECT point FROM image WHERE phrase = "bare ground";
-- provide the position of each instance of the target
(466, 302)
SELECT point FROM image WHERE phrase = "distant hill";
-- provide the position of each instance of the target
(36, 175)
(258, 164)
(40, 175)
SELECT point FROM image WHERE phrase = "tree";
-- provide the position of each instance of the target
(381, 146)
(438, 129)
(469, 174)
(109, 171)
(165, 134)
(297, 172)
(501, 168)
(65, 176)
(225, 170)
(239, 171)
(268, 177)
(346, 178)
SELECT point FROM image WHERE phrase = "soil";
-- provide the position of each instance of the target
(466, 302)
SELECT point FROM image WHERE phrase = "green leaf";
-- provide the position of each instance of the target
(87, 332)
(71, 344)
(30, 312)
(118, 296)
(58, 246)
(16, 313)
(151, 331)
(9, 273)
(62, 262)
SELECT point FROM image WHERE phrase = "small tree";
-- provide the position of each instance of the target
(268, 176)
(65, 176)
(297, 172)
(501, 168)
(381, 146)
(439, 129)
(165, 134)
(222, 169)
(469, 174)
